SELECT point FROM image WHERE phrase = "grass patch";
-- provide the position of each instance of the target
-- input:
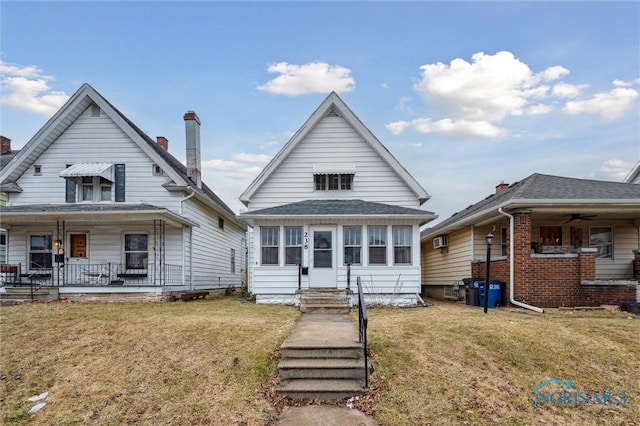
(451, 364)
(210, 362)
(202, 362)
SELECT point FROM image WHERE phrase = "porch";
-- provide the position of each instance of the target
(560, 280)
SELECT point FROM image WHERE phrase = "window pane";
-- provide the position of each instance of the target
(352, 255)
(377, 235)
(352, 235)
(293, 255)
(105, 193)
(293, 236)
(136, 260)
(320, 182)
(40, 242)
(601, 238)
(270, 235)
(345, 181)
(334, 182)
(322, 259)
(269, 255)
(87, 192)
(135, 242)
(322, 240)
(402, 255)
(40, 260)
(377, 255)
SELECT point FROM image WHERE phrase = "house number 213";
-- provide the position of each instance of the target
(306, 240)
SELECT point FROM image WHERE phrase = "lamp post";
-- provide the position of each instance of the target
(486, 279)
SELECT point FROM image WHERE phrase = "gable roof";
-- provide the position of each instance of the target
(334, 105)
(69, 113)
(545, 191)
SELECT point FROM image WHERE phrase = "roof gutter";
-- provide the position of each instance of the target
(512, 265)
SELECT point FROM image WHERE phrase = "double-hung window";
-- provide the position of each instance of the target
(269, 243)
(601, 238)
(333, 181)
(352, 245)
(377, 245)
(402, 237)
(292, 245)
(40, 251)
(136, 251)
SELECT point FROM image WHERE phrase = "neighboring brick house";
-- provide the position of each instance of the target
(575, 242)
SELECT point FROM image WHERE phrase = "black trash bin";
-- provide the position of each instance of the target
(471, 296)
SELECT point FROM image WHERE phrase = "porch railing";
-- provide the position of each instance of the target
(94, 274)
(118, 274)
(362, 330)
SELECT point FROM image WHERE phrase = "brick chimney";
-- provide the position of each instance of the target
(502, 187)
(192, 131)
(163, 142)
(5, 145)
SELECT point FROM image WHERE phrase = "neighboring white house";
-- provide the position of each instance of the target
(333, 205)
(95, 206)
(634, 175)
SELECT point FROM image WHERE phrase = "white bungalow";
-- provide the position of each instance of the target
(333, 205)
(96, 207)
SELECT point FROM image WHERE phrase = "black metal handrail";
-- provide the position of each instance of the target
(362, 330)
(348, 276)
(39, 276)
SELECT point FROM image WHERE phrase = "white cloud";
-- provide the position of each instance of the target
(252, 158)
(447, 126)
(610, 105)
(403, 105)
(26, 88)
(564, 90)
(314, 77)
(490, 88)
(621, 83)
(539, 109)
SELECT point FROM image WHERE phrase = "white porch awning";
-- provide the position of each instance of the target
(104, 170)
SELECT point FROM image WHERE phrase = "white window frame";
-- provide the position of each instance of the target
(126, 251)
(45, 251)
(96, 186)
(333, 181)
(292, 243)
(598, 245)
(402, 239)
(272, 241)
(370, 245)
(352, 242)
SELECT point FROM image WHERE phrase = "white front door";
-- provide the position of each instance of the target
(322, 257)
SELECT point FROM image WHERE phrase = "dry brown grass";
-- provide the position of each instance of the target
(452, 364)
(209, 362)
(201, 362)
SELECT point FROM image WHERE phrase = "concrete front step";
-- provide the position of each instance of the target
(324, 308)
(17, 295)
(326, 389)
(321, 368)
(320, 349)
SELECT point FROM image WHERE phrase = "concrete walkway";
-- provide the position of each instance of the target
(323, 330)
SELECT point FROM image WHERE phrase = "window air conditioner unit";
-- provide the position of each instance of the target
(440, 242)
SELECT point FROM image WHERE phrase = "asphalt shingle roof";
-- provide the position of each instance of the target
(547, 187)
(337, 207)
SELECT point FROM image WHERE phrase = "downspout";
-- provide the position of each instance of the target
(512, 264)
(190, 239)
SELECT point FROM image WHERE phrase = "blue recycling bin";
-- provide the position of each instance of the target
(495, 293)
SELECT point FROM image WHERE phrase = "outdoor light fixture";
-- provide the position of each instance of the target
(486, 279)
(58, 244)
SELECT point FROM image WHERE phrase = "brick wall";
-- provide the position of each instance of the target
(554, 280)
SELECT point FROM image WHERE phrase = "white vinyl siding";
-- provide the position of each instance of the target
(333, 141)
(87, 139)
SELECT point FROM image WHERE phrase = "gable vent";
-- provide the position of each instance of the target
(332, 113)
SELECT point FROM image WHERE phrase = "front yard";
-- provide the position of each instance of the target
(211, 362)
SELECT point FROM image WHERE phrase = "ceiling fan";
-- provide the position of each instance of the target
(578, 216)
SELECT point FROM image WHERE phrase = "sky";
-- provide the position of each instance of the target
(466, 95)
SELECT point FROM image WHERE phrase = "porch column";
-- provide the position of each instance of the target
(523, 290)
(587, 264)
